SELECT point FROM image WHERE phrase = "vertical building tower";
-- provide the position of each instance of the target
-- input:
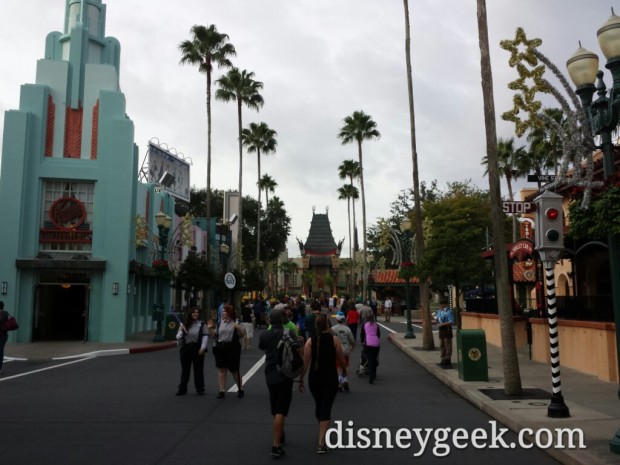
(68, 190)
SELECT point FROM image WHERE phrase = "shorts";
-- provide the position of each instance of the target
(249, 329)
(280, 396)
(346, 361)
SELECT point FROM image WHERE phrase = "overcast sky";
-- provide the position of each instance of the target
(319, 61)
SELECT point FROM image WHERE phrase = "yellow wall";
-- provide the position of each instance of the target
(586, 346)
(490, 325)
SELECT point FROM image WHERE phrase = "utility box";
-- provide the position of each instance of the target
(172, 326)
(472, 354)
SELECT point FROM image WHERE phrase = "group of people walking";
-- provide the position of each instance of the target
(325, 349)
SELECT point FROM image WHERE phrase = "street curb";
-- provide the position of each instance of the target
(141, 350)
(471, 394)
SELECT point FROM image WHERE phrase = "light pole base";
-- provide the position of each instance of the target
(159, 338)
(557, 408)
(409, 334)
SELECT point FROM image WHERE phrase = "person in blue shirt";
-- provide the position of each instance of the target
(445, 320)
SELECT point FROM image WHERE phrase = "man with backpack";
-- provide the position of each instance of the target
(279, 382)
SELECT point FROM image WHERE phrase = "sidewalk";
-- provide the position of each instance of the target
(594, 405)
(140, 342)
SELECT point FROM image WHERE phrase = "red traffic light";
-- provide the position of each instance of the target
(552, 213)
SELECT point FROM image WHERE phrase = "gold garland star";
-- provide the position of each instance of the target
(516, 56)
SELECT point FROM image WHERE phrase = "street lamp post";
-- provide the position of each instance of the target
(163, 223)
(405, 228)
(603, 115)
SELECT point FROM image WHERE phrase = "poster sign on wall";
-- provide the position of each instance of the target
(168, 171)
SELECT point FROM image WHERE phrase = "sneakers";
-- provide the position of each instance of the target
(322, 449)
(220, 395)
(277, 452)
(240, 394)
(181, 393)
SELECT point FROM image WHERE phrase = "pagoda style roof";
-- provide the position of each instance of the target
(320, 239)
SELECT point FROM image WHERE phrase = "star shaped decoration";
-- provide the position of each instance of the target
(517, 55)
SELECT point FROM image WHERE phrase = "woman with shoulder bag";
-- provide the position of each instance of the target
(370, 336)
(227, 351)
(192, 337)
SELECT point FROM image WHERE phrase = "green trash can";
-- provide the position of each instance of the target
(172, 326)
(472, 355)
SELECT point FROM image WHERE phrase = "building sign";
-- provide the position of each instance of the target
(526, 230)
(521, 248)
(67, 213)
(168, 171)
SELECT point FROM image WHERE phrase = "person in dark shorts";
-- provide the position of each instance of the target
(321, 353)
(227, 351)
(280, 387)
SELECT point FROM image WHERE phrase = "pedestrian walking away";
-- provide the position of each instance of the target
(321, 353)
(227, 351)
(445, 320)
(347, 341)
(192, 338)
(247, 320)
(353, 319)
(371, 342)
(280, 386)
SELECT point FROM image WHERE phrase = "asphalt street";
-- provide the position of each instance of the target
(122, 410)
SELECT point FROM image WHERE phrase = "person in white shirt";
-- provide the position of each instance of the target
(192, 337)
(387, 305)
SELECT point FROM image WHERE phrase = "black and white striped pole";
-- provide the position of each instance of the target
(549, 244)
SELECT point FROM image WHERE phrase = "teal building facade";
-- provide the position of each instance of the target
(70, 196)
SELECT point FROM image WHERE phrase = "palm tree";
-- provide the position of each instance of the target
(544, 143)
(428, 342)
(350, 169)
(208, 46)
(268, 184)
(259, 138)
(510, 163)
(349, 193)
(512, 375)
(359, 127)
(287, 268)
(240, 87)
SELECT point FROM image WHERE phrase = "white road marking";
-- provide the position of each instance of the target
(6, 378)
(250, 373)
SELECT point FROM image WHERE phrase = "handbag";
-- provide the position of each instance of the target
(10, 324)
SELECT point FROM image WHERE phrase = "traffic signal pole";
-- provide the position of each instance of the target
(549, 236)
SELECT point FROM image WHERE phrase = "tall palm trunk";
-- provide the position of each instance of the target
(258, 212)
(240, 221)
(353, 260)
(428, 342)
(512, 376)
(349, 200)
(514, 215)
(208, 196)
(364, 264)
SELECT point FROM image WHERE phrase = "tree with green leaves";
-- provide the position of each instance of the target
(545, 146)
(206, 48)
(357, 128)
(259, 138)
(267, 184)
(510, 166)
(240, 87)
(195, 275)
(456, 234)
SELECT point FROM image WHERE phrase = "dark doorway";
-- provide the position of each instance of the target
(61, 312)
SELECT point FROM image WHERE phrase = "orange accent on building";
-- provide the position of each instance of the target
(391, 277)
(95, 133)
(73, 133)
(49, 131)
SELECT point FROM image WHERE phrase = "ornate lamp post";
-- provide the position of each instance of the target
(603, 115)
(163, 223)
(405, 271)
